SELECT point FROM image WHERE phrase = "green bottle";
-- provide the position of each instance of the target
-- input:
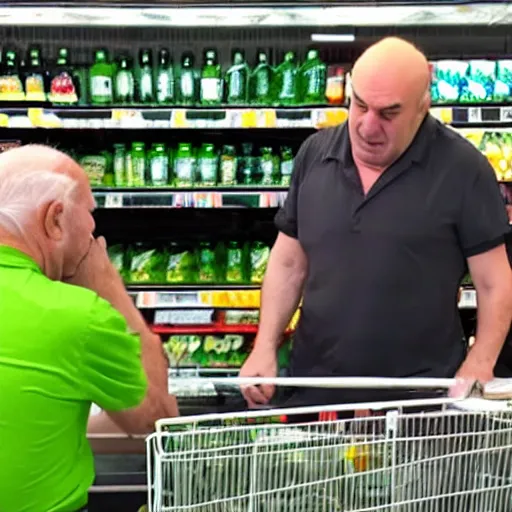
(101, 78)
(211, 80)
(188, 81)
(159, 165)
(207, 165)
(185, 165)
(124, 90)
(138, 164)
(120, 165)
(269, 167)
(260, 84)
(165, 80)
(286, 165)
(145, 83)
(246, 165)
(207, 267)
(287, 81)
(237, 80)
(228, 166)
(313, 79)
(234, 270)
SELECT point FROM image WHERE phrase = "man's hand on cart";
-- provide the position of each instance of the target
(262, 362)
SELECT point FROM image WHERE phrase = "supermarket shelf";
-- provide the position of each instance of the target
(238, 297)
(468, 114)
(205, 329)
(222, 117)
(468, 299)
(235, 197)
(336, 14)
(164, 118)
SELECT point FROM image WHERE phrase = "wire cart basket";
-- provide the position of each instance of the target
(457, 458)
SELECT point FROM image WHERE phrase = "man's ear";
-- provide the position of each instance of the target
(52, 221)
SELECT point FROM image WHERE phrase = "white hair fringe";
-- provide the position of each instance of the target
(22, 193)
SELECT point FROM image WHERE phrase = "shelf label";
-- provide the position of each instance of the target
(184, 317)
(474, 115)
(113, 200)
(506, 114)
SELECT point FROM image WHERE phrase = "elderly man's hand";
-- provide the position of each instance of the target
(96, 272)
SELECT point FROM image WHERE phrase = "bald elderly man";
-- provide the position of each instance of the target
(382, 217)
(69, 336)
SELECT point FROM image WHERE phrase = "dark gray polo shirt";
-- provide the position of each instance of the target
(380, 298)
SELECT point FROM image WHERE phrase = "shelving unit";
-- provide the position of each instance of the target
(159, 215)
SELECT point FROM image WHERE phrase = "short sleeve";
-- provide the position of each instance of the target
(483, 221)
(286, 218)
(112, 374)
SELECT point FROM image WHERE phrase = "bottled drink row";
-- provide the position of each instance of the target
(183, 166)
(221, 263)
(156, 79)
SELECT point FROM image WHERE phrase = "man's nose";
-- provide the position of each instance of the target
(370, 125)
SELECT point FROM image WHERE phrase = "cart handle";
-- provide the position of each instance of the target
(331, 382)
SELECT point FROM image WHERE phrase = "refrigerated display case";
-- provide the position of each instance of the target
(187, 119)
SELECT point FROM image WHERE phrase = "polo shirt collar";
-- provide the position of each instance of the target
(339, 147)
(14, 258)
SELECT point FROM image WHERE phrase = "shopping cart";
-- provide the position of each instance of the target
(456, 458)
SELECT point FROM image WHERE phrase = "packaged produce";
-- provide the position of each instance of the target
(147, 265)
(182, 265)
(259, 260)
(116, 255)
(449, 78)
(503, 83)
(95, 166)
(480, 82)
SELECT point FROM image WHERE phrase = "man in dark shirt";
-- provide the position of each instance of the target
(383, 217)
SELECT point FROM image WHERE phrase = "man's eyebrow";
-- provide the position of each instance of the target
(394, 106)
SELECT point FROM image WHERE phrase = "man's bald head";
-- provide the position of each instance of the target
(396, 65)
(45, 207)
(390, 98)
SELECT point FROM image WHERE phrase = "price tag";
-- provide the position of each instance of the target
(184, 317)
(506, 114)
(114, 200)
(474, 115)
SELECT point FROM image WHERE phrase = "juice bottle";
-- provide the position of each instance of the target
(313, 79)
(188, 81)
(237, 80)
(101, 78)
(124, 82)
(165, 80)
(159, 165)
(145, 82)
(185, 165)
(286, 165)
(261, 80)
(287, 81)
(120, 165)
(211, 80)
(207, 165)
(138, 164)
(228, 166)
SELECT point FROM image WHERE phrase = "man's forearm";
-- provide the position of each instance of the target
(280, 297)
(493, 324)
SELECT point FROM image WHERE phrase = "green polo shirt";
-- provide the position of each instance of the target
(61, 348)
